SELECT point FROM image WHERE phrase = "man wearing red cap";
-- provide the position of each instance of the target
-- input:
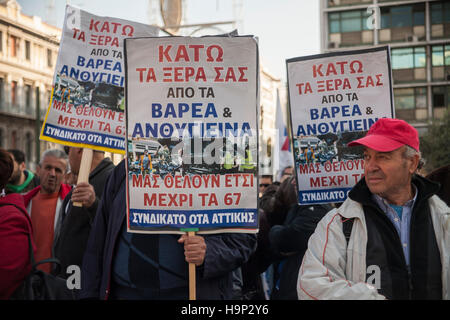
(391, 238)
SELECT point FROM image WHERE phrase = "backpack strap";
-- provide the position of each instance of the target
(347, 226)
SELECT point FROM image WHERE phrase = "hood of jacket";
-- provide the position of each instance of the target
(20, 188)
(15, 199)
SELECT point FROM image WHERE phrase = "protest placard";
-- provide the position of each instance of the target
(334, 99)
(192, 134)
(87, 102)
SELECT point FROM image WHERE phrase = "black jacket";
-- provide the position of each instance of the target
(224, 252)
(290, 242)
(384, 249)
(72, 236)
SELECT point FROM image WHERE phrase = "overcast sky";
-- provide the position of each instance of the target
(285, 28)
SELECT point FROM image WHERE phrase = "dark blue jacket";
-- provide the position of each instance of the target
(224, 252)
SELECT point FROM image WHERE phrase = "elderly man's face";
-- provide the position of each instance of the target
(388, 174)
(52, 173)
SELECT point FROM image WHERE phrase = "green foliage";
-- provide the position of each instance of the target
(435, 144)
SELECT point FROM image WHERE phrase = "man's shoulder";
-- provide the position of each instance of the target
(116, 177)
(349, 209)
(439, 205)
(27, 197)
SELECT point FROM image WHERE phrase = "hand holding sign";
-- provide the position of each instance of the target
(85, 169)
(194, 252)
(194, 248)
(84, 193)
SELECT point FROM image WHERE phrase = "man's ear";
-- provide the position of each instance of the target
(22, 166)
(414, 163)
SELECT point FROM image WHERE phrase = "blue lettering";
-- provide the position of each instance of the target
(345, 111)
(356, 110)
(117, 67)
(149, 131)
(156, 110)
(64, 70)
(138, 130)
(170, 111)
(182, 108)
(80, 61)
(210, 109)
(196, 110)
(325, 113)
(246, 129)
(334, 110)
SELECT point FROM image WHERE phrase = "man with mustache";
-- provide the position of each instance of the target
(44, 202)
(390, 238)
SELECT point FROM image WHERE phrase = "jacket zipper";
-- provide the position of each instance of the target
(408, 271)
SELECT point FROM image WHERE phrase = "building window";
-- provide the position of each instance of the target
(349, 28)
(13, 46)
(334, 3)
(405, 58)
(411, 103)
(48, 96)
(13, 144)
(409, 64)
(1, 41)
(440, 61)
(403, 16)
(348, 21)
(28, 97)
(269, 148)
(440, 12)
(2, 93)
(13, 93)
(49, 58)
(441, 100)
(28, 146)
(27, 50)
(440, 19)
(402, 23)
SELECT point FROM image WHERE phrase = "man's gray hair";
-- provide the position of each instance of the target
(411, 152)
(59, 154)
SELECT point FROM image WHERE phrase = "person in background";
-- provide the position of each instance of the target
(75, 223)
(442, 176)
(390, 237)
(286, 173)
(22, 180)
(264, 181)
(70, 178)
(247, 166)
(288, 238)
(15, 227)
(44, 203)
(146, 163)
(254, 280)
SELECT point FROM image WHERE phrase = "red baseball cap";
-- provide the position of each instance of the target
(387, 134)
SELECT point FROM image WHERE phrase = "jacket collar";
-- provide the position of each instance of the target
(106, 162)
(63, 191)
(18, 189)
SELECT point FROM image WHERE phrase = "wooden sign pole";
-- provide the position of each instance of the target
(85, 169)
(192, 280)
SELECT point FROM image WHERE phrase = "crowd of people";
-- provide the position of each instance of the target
(388, 240)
